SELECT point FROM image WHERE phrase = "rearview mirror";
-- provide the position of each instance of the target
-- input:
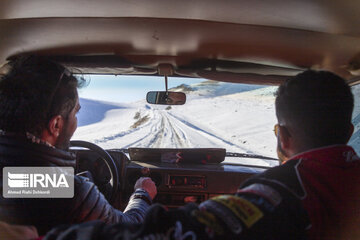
(166, 98)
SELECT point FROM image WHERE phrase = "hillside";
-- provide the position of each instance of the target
(239, 119)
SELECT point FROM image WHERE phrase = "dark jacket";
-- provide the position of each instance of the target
(88, 203)
(315, 195)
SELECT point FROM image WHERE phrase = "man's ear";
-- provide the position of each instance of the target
(285, 138)
(351, 131)
(55, 126)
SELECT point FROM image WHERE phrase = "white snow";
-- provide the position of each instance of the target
(236, 117)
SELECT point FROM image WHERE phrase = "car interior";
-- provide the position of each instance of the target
(243, 42)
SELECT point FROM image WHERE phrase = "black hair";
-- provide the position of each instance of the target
(318, 105)
(32, 91)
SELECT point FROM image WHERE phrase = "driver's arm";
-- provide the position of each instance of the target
(90, 204)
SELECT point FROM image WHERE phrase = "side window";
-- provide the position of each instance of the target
(355, 139)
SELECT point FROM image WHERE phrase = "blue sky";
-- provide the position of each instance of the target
(127, 88)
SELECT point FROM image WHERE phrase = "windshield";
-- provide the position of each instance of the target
(237, 117)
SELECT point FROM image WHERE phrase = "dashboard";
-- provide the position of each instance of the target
(177, 183)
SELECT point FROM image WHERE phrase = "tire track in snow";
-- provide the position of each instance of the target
(154, 128)
(156, 140)
(167, 134)
(121, 134)
(180, 141)
(165, 129)
(144, 128)
(205, 133)
(181, 137)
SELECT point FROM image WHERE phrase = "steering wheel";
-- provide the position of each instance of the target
(109, 161)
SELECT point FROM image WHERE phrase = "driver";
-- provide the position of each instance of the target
(38, 106)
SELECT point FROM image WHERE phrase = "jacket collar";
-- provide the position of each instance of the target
(19, 150)
(29, 136)
(335, 154)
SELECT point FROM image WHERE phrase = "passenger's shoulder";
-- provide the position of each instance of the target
(285, 178)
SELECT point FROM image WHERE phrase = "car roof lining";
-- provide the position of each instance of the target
(331, 16)
(202, 39)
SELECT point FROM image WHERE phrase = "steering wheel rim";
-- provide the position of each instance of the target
(107, 159)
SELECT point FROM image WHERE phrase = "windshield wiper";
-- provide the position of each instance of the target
(246, 155)
(124, 150)
(228, 154)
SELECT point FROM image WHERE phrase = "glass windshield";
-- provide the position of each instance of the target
(237, 117)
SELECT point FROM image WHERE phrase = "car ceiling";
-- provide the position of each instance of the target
(260, 42)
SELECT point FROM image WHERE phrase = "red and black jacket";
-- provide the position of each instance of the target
(326, 183)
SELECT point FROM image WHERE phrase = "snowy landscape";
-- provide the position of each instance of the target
(237, 117)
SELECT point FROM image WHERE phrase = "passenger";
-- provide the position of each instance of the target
(38, 106)
(314, 194)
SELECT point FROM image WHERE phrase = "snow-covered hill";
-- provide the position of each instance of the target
(93, 111)
(214, 89)
(232, 116)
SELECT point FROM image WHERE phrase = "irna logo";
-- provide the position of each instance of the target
(19, 180)
(38, 182)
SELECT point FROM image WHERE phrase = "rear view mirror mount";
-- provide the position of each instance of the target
(166, 98)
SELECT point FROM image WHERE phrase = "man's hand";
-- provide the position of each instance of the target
(148, 185)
